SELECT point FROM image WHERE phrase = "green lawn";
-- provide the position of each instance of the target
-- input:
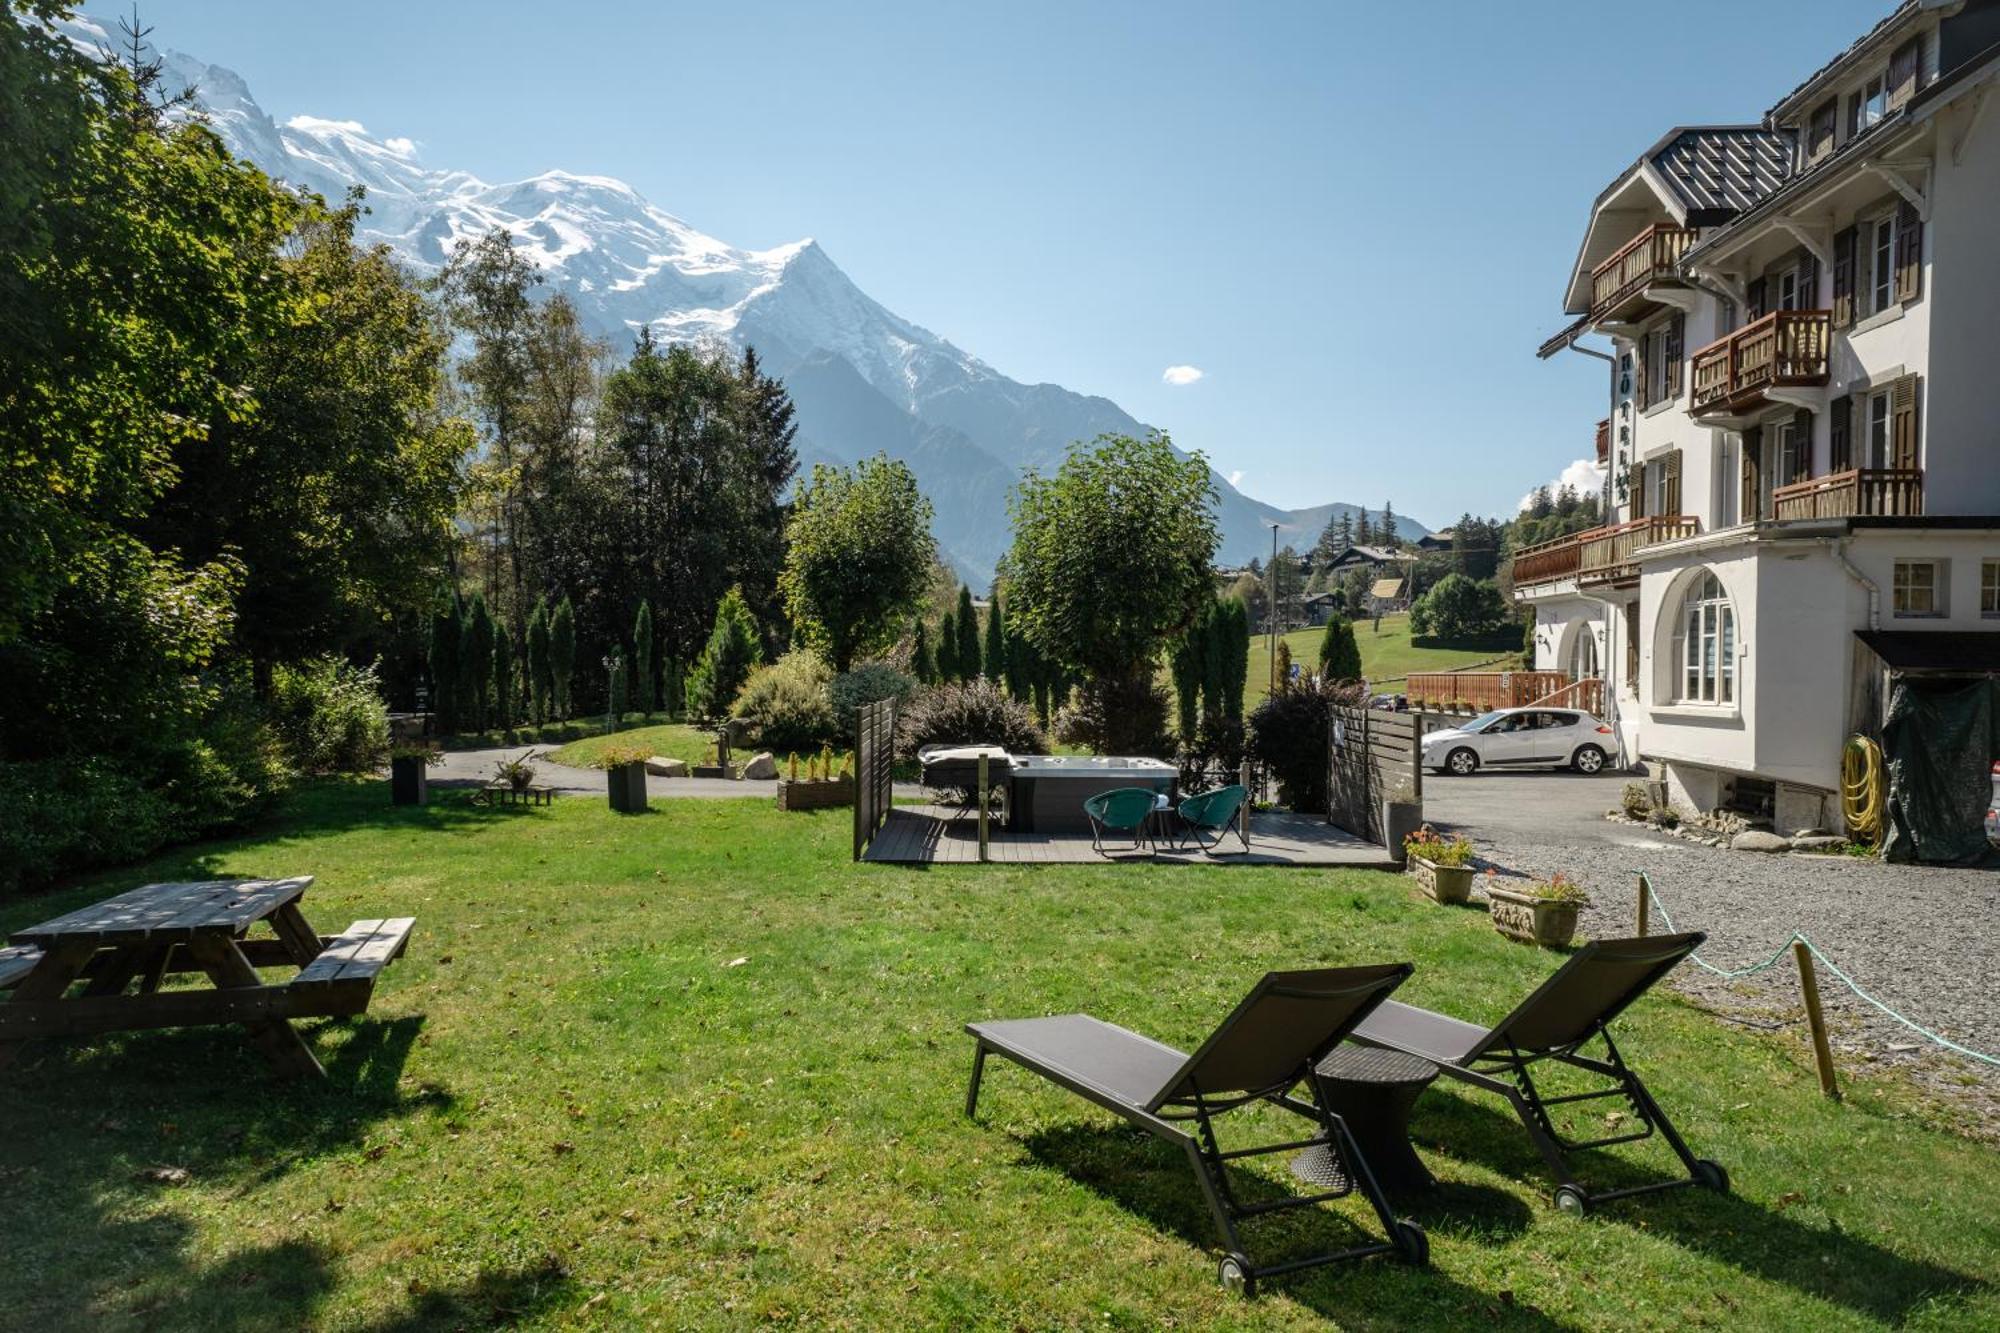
(1386, 658)
(674, 740)
(694, 1069)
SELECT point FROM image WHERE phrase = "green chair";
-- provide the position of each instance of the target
(1125, 809)
(1214, 812)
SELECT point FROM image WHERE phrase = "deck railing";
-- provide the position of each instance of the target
(1481, 691)
(1607, 553)
(1895, 492)
(1586, 694)
(1784, 348)
(1547, 561)
(1648, 257)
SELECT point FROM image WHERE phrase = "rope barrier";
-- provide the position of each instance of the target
(1831, 966)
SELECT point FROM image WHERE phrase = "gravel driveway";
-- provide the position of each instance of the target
(1923, 940)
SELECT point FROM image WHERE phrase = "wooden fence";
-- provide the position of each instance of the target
(874, 770)
(1481, 691)
(1369, 754)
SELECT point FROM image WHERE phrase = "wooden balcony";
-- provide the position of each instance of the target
(1607, 555)
(1547, 562)
(1618, 285)
(1784, 349)
(1871, 492)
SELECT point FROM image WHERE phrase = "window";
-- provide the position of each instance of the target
(1878, 430)
(1819, 138)
(1880, 262)
(1788, 289)
(1989, 588)
(1705, 644)
(1794, 451)
(1874, 102)
(1919, 588)
(1658, 386)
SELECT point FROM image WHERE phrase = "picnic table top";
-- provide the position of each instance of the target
(169, 913)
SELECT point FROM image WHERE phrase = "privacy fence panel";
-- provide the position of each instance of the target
(874, 770)
(1370, 755)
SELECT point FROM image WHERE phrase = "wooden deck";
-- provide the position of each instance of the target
(929, 835)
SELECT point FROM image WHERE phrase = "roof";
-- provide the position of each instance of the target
(1889, 20)
(1957, 651)
(1386, 589)
(1374, 555)
(1722, 168)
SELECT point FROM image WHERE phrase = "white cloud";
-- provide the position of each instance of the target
(320, 125)
(1179, 376)
(1585, 474)
(1236, 477)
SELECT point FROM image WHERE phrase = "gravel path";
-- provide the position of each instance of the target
(1923, 940)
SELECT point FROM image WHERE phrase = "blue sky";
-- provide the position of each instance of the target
(1355, 221)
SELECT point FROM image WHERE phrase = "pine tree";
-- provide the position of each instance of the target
(541, 688)
(644, 667)
(923, 666)
(475, 664)
(968, 636)
(562, 656)
(1339, 651)
(996, 642)
(947, 649)
(444, 668)
(1364, 534)
(503, 678)
(1389, 537)
(731, 653)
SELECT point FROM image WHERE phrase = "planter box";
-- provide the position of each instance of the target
(627, 784)
(714, 770)
(1522, 916)
(409, 783)
(1441, 884)
(1399, 820)
(804, 794)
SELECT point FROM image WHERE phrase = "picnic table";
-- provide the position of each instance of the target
(147, 933)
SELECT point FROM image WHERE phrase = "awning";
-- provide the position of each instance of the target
(1946, 652)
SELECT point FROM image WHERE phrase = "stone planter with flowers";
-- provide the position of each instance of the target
(1543, 913)
(625, 777)
(1441, 866)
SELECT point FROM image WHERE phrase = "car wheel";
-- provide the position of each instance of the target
(1462, 761)
(1588, 759)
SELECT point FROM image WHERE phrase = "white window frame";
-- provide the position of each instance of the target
(1788, 290)
(1793, 455)
(1657, 366)
(1904, 585)
(1989, 589)
(1705, 645)
(1875, 99)
(1878, 293)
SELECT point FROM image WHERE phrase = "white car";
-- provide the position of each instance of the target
(1993, 810)
(1522, 738)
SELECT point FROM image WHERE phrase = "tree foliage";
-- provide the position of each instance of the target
(967, 653)
(857, 559)
(731, 653)
(562, 656)
(1339, 653)
(1458, 609)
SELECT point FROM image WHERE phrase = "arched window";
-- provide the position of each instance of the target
(1705, 644)
(1583, 654)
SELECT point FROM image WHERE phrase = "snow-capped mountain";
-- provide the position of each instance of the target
(863, 378)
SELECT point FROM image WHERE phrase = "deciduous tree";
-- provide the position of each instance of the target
(858, 556)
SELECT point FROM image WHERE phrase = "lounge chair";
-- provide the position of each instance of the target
(1567, 1012)
(1266, 1046)
(1122, 809)
(1214, 812)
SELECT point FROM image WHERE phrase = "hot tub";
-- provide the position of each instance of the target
(1046, 792)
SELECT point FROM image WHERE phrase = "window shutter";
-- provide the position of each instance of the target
(1672, 498)
(1801, 446)
(1753, 445)
(1909, 253)
(1903, 421)
(1639, 489)
(1843, 278)
(1903, 72)
(1676, 354)
(1642, 388)
(1839, 438)
(1853, 115)
(1754, 298)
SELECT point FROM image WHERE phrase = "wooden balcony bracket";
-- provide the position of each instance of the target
(1816, 237)
(1902, 177)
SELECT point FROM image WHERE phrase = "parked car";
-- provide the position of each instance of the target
(1993, 809)
(1522, 738)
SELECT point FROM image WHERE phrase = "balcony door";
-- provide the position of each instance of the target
(1729, 465)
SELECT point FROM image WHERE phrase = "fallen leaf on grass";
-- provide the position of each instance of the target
(736, 962)
(561, 1146)
(1788, 1198)
(165, 1175)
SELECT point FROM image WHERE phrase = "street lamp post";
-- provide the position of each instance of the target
(1273, 612)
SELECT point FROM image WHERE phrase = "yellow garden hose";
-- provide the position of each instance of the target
(1861, 789)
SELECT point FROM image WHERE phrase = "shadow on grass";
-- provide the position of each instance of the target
(1150, 1178)
(1832, 1265)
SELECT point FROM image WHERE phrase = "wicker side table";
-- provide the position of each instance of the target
(1373, 1091)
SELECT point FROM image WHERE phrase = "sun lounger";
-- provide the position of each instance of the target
(1570, 1010)
(1260, 1052)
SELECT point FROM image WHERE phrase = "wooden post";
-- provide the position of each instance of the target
(1815, 1020)
(1243, 812)
(1645, 903)
(984, 792)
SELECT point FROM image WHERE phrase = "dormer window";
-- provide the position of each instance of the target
(1868, 106)
(1819, 135)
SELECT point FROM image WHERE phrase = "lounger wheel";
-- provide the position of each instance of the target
(1572, 1200)
(1236, 1274)
(1412, 1244)
(1710, 1175)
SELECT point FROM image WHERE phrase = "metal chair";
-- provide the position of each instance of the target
(1214, 812)
(1124, 809)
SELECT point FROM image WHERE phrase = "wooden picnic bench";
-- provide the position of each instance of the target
(123, 948)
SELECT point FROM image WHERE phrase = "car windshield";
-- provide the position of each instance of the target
(1482, 722)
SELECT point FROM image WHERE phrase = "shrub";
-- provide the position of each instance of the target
(617, 756)
(788, 703)
(976, 712)
(1119, 716)
(731, 653)
(1288, 733)
(867, 683)
(329, 716)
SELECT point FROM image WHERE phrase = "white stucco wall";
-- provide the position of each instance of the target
(1962, 408)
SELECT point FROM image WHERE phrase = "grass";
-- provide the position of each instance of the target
(1385, 657)
(673, 740)
(695, 1069)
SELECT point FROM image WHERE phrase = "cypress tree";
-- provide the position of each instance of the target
(1339, 652)
(922, 665)
(947, 649)
(1215, 632)
(620, 701)
(444, 667)
(968, 636)
(503, 678)
(644, 668)
(562, 656)
(727, 660)
(475, 664)
(1235, 656)
(996, 642)
(541, 689)
(1021, 665)
(1188, 666)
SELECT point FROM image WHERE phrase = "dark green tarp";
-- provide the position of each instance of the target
(1940, 743)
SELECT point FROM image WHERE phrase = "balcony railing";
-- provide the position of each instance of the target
(1607, 553)
(1547, 561)
(1785, 348)
(1896, 492)
(1482, 691)
(1647, 258)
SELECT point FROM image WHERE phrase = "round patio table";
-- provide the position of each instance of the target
(1373, 1091)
